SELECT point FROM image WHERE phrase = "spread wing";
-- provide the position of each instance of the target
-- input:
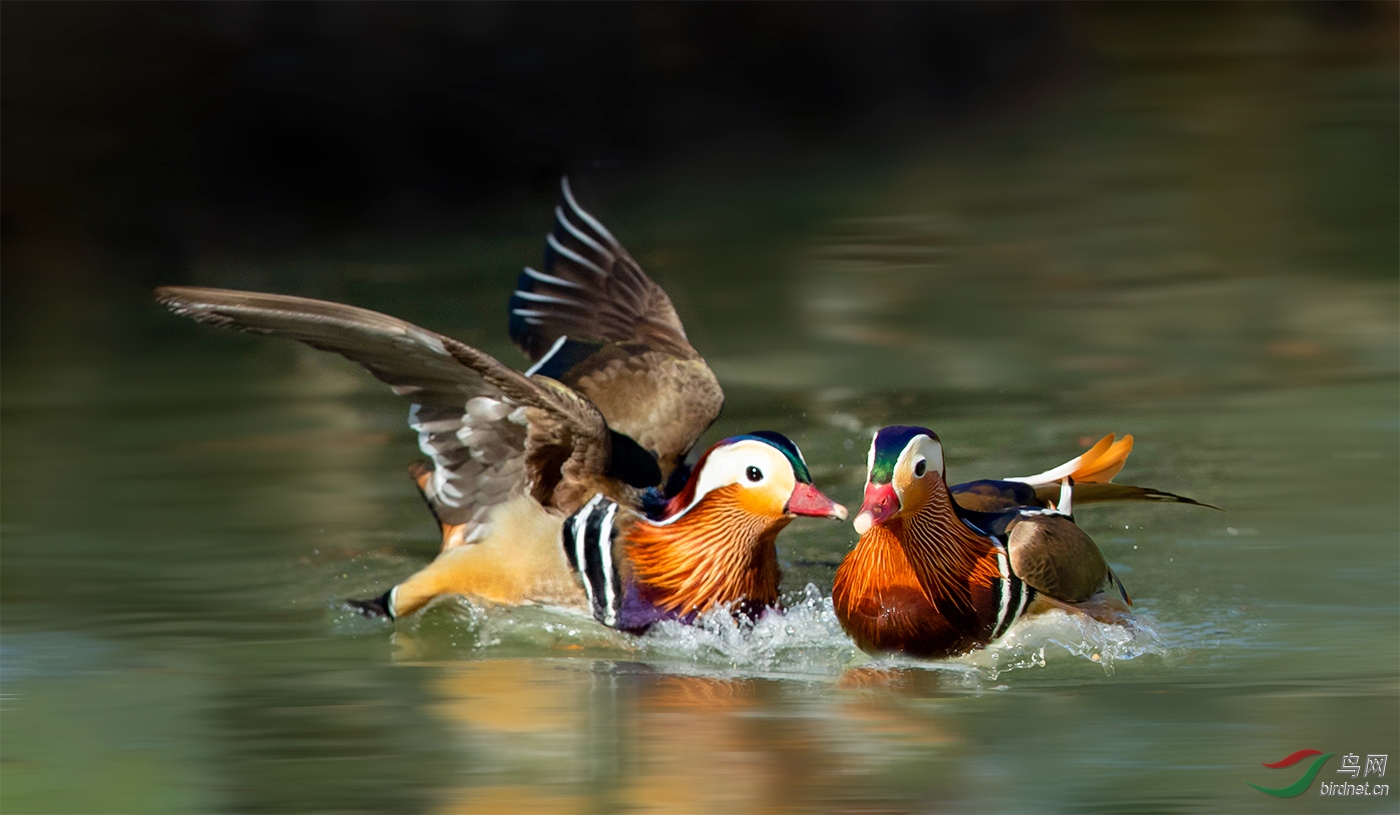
(593, 320)
(491, 432)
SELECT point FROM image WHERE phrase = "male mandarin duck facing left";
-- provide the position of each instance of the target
(615, 398)
(712, 543)
(941, 571)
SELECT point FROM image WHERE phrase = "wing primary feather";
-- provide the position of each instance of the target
(578, 233)
(546, 298)
(584, 216)
(551, 279)
(554, 244)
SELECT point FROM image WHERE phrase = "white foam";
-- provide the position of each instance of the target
(1037, 641)
(806, 639)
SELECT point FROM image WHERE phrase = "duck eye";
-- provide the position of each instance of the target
(753, 473)
(920, 468)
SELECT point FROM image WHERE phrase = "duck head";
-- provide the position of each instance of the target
(762, 474)
(716, 541)
(903, 470)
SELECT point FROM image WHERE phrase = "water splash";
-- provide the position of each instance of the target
(805, 639)
(1035, 641)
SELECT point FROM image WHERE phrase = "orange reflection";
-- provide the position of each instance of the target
(510, 696)
(518, 799)
(580, 736)
(711, 745)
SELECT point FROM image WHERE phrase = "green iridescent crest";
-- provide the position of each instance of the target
(888, 445)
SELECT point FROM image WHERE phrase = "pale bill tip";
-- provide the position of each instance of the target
(863, 522)
(838, 511)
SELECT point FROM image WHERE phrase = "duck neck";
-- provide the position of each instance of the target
(945, 554)
(715, 554)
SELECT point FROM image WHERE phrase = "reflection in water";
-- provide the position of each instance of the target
(628, 737)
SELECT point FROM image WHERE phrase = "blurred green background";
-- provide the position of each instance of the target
(1024, 225)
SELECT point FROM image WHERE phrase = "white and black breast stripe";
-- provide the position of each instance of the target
(1013, 595)
(588, 544)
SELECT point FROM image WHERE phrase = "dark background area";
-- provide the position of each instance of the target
(164, 128)
(162, 131)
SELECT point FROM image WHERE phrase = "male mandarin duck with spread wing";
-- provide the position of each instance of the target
(614, 400)
(941, 571)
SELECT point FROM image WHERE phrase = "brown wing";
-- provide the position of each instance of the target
(1055, 557)
(593, 320)
(491, 432)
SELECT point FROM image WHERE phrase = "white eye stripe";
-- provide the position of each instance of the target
(935, 455)
(920, 449)
(729, 465)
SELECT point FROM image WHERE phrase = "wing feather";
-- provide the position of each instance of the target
(591, 290)
(593, 320)
(490, 431)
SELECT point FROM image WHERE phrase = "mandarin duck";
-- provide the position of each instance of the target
(710, 544)
(614, 399)
(941, 571)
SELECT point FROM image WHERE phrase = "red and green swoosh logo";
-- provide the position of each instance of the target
(1301, 785)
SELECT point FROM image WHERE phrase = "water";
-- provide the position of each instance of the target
(1159, 253)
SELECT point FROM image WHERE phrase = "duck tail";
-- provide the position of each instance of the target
(1097, 465)
(381, 606)
(420, 471)
(1106, 493)
(1122, 590)
(1092, 472)
(452, 534)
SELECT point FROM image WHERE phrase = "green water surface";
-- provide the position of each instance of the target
(1201, 254)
